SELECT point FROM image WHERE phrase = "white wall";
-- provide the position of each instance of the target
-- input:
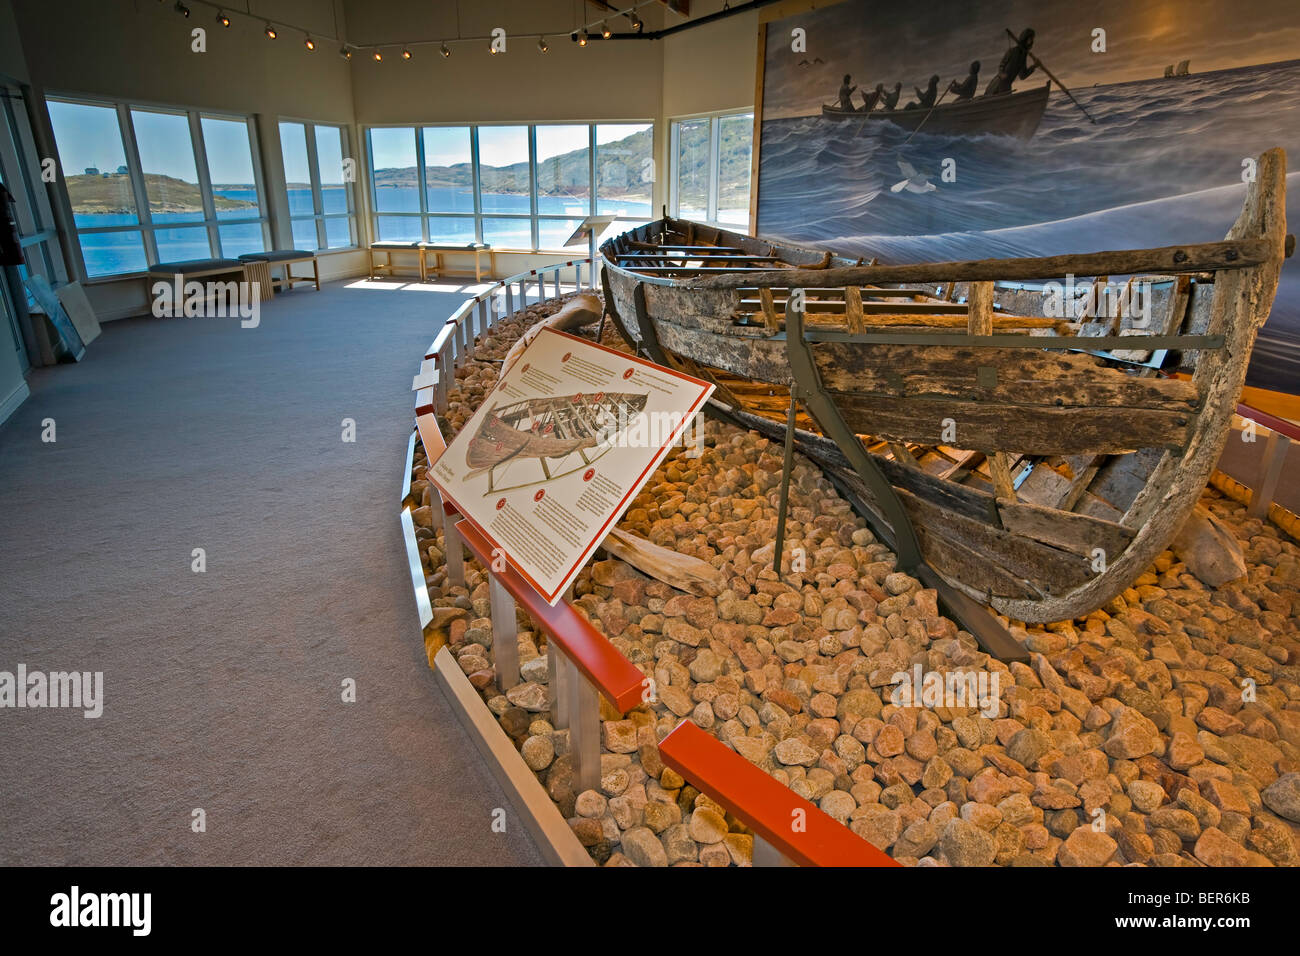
(140, 50)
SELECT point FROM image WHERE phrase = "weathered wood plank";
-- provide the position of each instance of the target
(1052, 570)
(1067, 530)
(980, 304)
(994, 375)
(1202, 257)
(747, 356)
(1029, 430)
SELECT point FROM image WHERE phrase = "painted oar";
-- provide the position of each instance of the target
(1052, 76)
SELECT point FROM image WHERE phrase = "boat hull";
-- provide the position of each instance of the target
(1010, 114)
(1114, 458)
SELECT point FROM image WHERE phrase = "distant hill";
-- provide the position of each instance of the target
(111, 193)
(561, 175)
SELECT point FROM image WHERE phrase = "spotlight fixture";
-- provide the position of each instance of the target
(492, 49)
(605, 31)
(582, 37)
(345, 52)
(636, 23)
(446, 51)
(541, 44)
(378, 56)
(310, 44)
(406, 54)
(270, 30)
(182, 9)
(223, 19)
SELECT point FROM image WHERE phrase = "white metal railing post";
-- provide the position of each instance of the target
(446, 374)
(557, 664)
(584, 731)
(453, 545)
(1275, 452)
(765, 854)
(510, 300)
(505, 634)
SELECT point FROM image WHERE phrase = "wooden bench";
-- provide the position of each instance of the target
(187, 270)
(285, 258)
(786, 826)
(388, 247)
(197, 269)
(439, 249)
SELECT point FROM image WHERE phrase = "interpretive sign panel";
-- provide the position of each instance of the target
(559, 449)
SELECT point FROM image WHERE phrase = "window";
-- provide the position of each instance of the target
(20, 172)
(318, 175)
(524, 187)
(37, 235)
(711, 168)
(155, 184)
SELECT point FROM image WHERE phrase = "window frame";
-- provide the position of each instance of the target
(533, 216)
(317, 197)
(131, 152)
(20, 161)
(715, 119)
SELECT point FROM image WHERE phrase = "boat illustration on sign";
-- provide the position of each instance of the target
(550, 430)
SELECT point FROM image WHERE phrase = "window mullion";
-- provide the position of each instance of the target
(313, 173)
(591, 169)
(420, 182)
(127, 130)
(478, 199)
(206, 195)
(534, 229)
(715, 137)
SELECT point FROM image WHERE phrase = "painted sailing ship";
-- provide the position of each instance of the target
(1037, 463)
(1009, 114)
(549, 430)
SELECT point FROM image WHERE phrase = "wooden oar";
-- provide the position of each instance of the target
(1052, 77)
(926, 117)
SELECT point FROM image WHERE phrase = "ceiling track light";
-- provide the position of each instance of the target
(541, 44)
(378, 56)
(310, 44)
(345, 52)
(637, 24)
(446, 51)
(582, 37)
(406, 54)
(223, 19)
(605, 31)
(270, 30)
(182, 9)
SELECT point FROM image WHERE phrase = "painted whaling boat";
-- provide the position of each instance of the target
(1036, 463)
(1009, 114)
(549, 429)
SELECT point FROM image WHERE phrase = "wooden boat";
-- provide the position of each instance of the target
(1037, 463)
(549, 429)
(1010, 114)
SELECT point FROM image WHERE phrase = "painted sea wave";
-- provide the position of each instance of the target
(1162, 165)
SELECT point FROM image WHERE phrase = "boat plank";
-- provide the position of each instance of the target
(996, 376)
(1062, 529)
(1027, 429)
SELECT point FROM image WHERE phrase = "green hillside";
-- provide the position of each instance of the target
(618, 172)
(111, 193)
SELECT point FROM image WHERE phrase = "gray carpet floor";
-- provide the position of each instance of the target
(223, 689)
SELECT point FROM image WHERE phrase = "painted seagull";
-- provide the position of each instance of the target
(915, 182)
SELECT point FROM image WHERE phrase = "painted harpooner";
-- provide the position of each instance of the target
(1036, 430)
